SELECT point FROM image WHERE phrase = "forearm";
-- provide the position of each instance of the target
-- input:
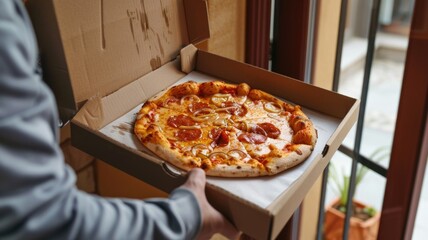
(67, 213)
(175, 218)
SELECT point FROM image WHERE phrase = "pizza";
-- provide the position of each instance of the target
(226, 129)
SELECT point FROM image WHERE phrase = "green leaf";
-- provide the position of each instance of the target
(370, 211)
(344, 194)
(336, 186)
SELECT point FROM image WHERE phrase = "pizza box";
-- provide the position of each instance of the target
(103, 59)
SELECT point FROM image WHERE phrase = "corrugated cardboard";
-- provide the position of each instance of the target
(95, 47)
(260, 222)
(114, 55)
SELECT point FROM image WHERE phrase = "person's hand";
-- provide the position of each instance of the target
(212, 220)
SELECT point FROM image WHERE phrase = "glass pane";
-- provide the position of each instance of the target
(386, 71)
(353, 54)
(383, 96)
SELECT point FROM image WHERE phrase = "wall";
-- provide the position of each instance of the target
(326, 41)
(227, 28)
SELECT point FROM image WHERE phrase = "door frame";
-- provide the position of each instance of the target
(410, 145)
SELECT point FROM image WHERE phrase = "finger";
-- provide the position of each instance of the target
(197, 173)
(196, 177)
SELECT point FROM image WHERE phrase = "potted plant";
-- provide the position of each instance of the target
(364, 222)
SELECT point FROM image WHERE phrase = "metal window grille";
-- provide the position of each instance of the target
(354, 153)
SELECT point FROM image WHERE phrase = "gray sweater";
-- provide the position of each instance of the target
(38, 197)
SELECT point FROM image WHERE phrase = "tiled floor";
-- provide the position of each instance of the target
(381, 111)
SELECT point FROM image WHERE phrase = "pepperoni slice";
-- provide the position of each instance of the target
(188, 134)
(220, 137)
(223, 139)
(215, 133)
(234, 108)
(180, 120)
(271, 130)
(252, 138)
(198, 106)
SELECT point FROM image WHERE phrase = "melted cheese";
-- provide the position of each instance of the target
(256, 114)
(259, 115)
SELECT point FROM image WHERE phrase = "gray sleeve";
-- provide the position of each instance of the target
(38, 198)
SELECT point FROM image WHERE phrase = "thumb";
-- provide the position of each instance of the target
(212, 220)
(196, 180)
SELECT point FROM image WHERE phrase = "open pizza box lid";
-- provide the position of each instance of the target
(103, 59)
(93, 48)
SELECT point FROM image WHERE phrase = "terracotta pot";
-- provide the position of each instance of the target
(358, 229)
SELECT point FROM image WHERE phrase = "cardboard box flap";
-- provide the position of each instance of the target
(107, 45)
(99, 111)
(188, 58)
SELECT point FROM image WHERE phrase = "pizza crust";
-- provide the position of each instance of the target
(289, 160)
(242, 170)
(184, 89)
(158, 144)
